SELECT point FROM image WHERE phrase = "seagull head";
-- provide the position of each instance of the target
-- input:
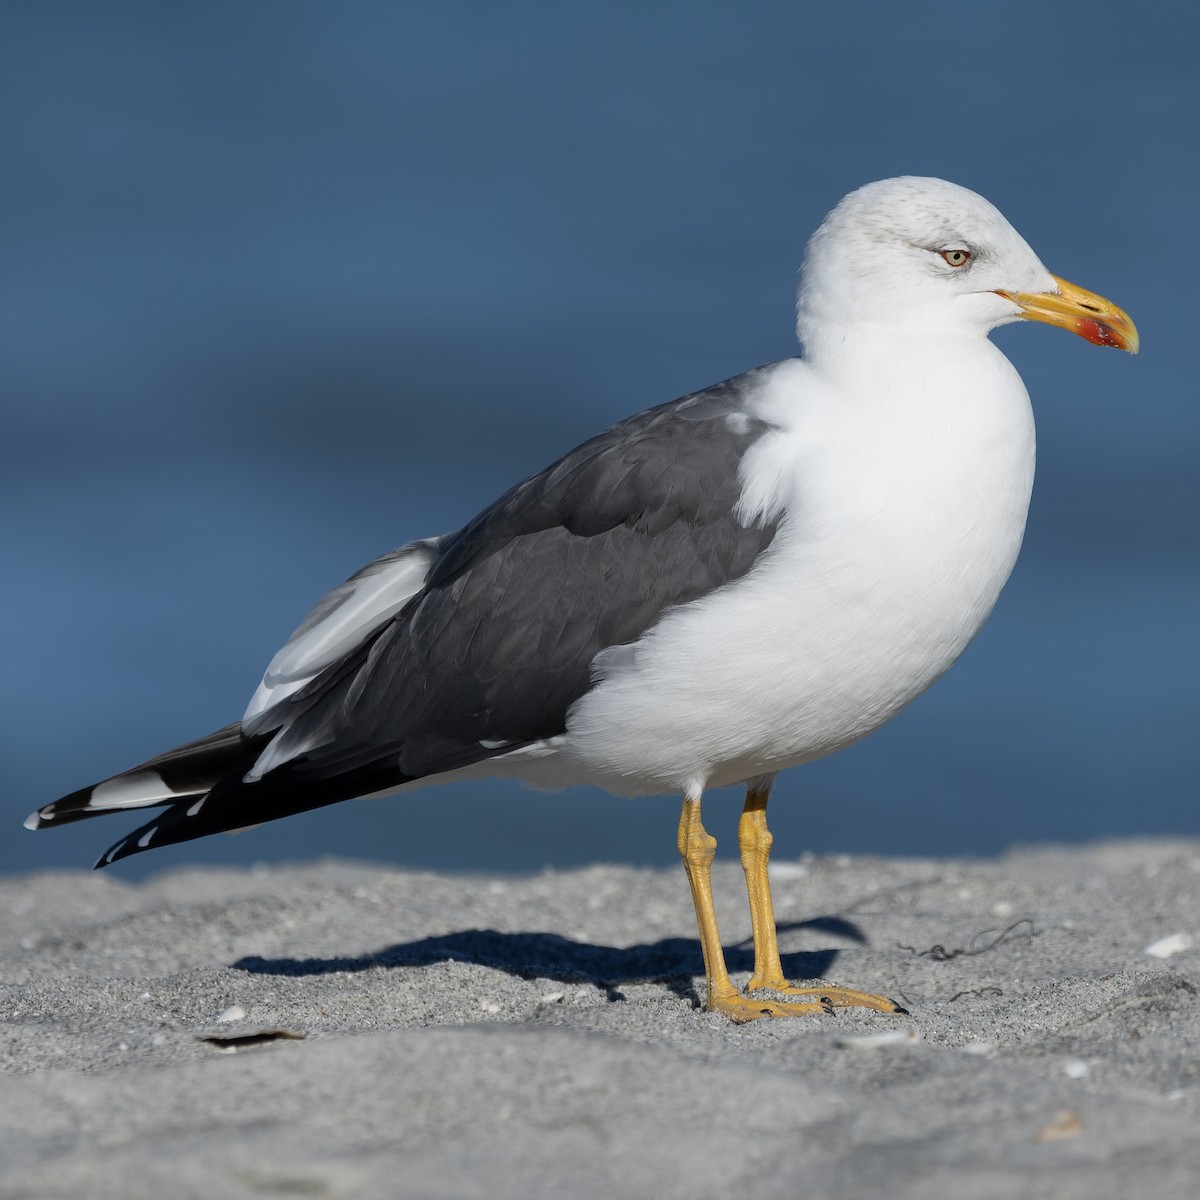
(926, 258)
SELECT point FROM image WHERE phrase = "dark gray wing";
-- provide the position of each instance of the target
(499, 642)
(586, 554)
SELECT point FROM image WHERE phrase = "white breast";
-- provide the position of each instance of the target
(904, 501)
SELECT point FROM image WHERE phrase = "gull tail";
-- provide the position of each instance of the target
(188, 771)
(235, 804)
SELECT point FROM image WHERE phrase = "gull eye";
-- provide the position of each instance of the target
(957, 257)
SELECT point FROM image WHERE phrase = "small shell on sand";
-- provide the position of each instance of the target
(1175, 943)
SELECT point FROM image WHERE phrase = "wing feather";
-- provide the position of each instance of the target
(452, 650)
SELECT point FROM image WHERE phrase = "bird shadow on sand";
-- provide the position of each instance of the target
(672, 962)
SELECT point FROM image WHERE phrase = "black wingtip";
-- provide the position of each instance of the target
(110, 855)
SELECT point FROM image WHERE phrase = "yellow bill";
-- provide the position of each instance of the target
(1098, 320)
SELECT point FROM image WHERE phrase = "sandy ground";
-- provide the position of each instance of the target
(536, 1036)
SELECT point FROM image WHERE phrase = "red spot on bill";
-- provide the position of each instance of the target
(1094, 332)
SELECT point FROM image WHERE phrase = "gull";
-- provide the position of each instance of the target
(707, 593)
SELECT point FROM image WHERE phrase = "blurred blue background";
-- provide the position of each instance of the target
(287, 284)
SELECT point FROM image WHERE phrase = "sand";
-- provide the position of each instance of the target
(466, 1036)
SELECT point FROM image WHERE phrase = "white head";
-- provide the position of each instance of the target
(923, 257)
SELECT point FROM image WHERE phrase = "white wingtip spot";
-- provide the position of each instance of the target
(35, 820)
(105, 860)
(132, 791)
(144, 840)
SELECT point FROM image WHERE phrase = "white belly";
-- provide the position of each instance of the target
(904, 525)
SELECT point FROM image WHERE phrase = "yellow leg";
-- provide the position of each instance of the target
(754, 841)
(697, 848)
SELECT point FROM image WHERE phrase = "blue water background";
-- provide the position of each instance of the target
(286, 284)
